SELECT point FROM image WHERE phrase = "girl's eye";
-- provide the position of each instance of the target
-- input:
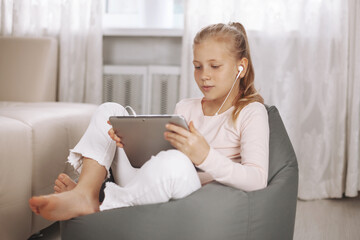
(197, 67)
(215, 66)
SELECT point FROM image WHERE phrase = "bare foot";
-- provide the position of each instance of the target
(64, 206)
(64, 183)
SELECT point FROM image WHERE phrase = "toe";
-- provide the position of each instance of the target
(60, 184)
(33, 208)
(57, 189)
(67, 181)
(37, 202)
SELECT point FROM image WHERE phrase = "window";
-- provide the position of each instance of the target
(143, 14)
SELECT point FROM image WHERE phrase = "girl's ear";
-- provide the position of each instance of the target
(244, 63)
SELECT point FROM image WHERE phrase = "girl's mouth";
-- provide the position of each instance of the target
(207, 88)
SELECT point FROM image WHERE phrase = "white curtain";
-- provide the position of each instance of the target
(306, 65)
(353, 103)
(77, 26)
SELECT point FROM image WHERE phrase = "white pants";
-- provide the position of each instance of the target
(168, 175)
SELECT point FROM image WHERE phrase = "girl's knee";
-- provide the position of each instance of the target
(181, 173)
(175, 171)
(112, 108)
(175, 163)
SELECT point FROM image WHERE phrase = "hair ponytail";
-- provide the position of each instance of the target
(247, 92)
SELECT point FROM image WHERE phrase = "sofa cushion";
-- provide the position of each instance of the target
(28, 69)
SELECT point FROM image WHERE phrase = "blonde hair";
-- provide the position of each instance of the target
(235, 34)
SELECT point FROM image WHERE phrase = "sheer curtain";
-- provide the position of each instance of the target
(353, 103)
(77, 26)
(305, 64)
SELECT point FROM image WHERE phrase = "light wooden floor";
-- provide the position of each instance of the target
(334, 219)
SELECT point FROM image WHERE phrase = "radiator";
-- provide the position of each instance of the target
(147, 89)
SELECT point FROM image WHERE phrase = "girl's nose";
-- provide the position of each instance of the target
(205, 75)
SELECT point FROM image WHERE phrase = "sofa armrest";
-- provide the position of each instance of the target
(15, 178)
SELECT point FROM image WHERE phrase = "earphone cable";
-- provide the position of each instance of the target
(132, 112)
(228, 94)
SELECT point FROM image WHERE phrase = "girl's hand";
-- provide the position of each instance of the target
(114, 137)
(191, 143)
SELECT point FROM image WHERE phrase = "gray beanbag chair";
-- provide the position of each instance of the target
(214, 212)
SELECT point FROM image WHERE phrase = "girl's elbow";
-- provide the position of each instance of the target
(256, 187)
(263, 177)
(261, 183)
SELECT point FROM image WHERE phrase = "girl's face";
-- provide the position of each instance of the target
(215, 70)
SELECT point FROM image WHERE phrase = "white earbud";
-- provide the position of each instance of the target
(240, 68)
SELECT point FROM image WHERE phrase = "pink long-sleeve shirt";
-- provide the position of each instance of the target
(239, 153)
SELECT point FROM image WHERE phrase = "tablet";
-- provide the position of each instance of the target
(143, 135)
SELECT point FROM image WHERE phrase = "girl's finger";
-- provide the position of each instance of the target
(116, 138)
(192, 127)
(177, 129)
(110, 132)
(113, 136)
(175, 137)
(175, 144)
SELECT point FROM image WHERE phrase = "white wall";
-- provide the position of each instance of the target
(141, 50)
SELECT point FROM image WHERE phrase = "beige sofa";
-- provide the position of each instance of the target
(36, 132)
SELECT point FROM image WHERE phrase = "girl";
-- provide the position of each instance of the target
(228, 139)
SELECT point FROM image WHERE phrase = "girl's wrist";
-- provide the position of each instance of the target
(201, 159)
